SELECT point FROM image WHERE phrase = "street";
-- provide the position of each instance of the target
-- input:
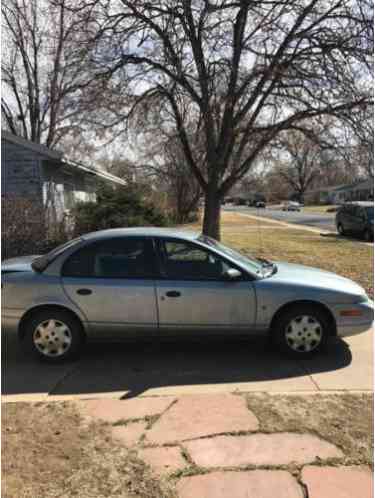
(318, 220)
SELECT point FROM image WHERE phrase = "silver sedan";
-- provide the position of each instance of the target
(122, 283)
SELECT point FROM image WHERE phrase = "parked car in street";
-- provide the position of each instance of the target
(260, 204)
(291, 206)
(356, 218)
(132, 282)
(239, 201)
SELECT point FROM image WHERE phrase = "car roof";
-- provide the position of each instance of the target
(141, 232)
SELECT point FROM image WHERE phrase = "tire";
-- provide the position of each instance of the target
(340, 229)
(301, 331)
(54, 335)
(367, 235)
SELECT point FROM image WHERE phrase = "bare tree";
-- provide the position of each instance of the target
(42, 70)
(301, 166)
(168, 164)
(240, 71)
(359, 134)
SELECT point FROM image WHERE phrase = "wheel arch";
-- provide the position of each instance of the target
(48, 306)
(322, 307)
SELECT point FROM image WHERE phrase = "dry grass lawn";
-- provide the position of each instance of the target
(48, 453)
(350, 258)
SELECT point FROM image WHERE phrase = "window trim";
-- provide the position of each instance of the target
(149, 249)
(245, 276)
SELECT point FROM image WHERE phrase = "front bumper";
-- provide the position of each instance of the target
(10, 320)
(353, 325)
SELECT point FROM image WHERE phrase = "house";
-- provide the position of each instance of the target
(359, 191)
(47, 176)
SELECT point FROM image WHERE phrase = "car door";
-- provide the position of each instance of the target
(193, 295)
(350, 220)
(112, 282)
(360, 217)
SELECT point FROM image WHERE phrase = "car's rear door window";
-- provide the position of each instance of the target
(116, 258)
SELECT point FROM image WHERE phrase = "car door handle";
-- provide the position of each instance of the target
(84, 292)
(173, 294)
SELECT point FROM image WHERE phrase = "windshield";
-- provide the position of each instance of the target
(253, 264)
(41, 263)
(370, 212)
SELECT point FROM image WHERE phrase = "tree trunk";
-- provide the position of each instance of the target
(211, 218)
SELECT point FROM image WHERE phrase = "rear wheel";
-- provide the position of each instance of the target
(367, 235)
(54, 335)
(301, 331)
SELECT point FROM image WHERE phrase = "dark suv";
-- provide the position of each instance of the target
(356, 218)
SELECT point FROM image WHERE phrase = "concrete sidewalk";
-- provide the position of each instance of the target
(212, 446)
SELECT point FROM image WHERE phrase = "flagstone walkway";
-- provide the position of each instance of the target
(211, 446)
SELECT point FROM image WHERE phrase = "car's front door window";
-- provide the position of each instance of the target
(184, 261)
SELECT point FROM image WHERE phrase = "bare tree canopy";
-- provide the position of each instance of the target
(237, 72)
(301, 166)
(42, 70)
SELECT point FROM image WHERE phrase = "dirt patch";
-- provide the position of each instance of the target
(344, 420)
(48, 452)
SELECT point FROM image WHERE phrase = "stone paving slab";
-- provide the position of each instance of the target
(163, 460)
(202, 415)
(129, 434)
(250, 484)
(114, 410)
(260, 449)
(338, 482)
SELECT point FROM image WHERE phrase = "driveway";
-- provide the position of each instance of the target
(317, 220)
(176, 368)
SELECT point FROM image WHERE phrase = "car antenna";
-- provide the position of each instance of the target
(260, 240)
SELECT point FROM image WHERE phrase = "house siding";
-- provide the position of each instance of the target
(21, 171)
(62, 188)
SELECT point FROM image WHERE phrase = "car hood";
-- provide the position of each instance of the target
(22, 263)
(306, 276)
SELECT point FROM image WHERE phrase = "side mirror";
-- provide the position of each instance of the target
(232, 274)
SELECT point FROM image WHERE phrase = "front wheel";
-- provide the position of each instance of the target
(340, 229)
(54, 335)
(301, 331)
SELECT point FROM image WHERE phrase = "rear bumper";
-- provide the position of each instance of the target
(348, 326)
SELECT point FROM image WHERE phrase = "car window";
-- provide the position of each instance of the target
(370, 212)
(185, 261)
(116, 258)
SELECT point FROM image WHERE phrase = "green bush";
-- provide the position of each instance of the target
(116, 208)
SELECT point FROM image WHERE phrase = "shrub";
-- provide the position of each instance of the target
(115, 208)
(24, 229)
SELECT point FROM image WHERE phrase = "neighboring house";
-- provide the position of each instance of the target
(359, 191)
(47, 176)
